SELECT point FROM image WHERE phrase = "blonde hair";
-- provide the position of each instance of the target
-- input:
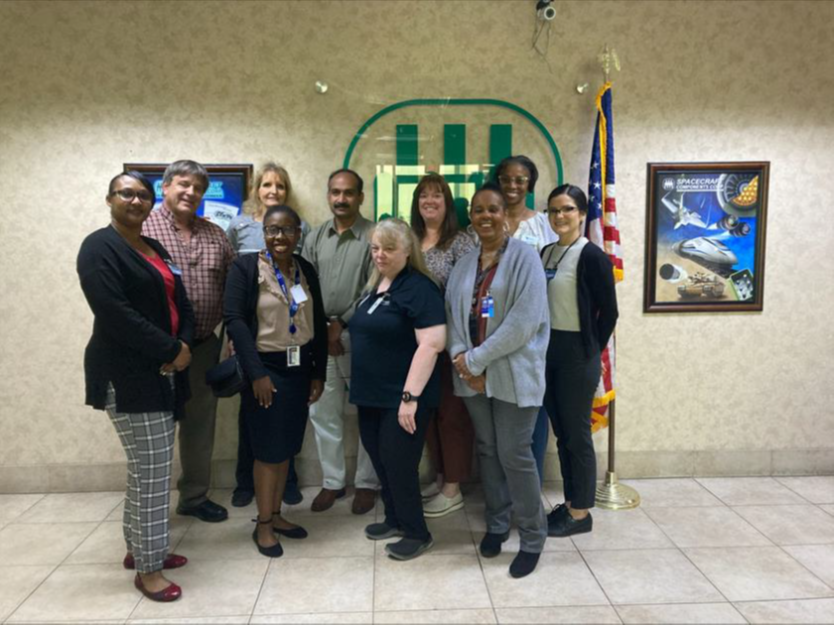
(396, 231)
(254, 205)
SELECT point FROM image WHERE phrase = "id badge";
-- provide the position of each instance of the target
(549, 274)
(298, 294)
(174, 269)
(293, 356)
(375, 305)
(487, 307)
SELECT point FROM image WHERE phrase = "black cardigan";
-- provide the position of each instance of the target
(596, 297)
(132, 327)
(240, 312)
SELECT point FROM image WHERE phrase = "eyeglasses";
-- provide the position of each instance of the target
(519, 180)
(274, 231)
(129, 194)
(561, 211)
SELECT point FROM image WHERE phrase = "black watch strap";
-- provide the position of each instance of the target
(408, 397)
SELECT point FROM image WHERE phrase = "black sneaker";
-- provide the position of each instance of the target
(557, 513)
(491, 544)
(408, 548)
(292, 494)
(568, 526)
(242, 498)
(523, 564)
(381, 531)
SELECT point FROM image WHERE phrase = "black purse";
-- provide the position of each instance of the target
(226, 378)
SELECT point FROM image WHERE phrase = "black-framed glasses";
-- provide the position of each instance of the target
(561, 211)
(519, 180)
(274, 231)
(128, 195)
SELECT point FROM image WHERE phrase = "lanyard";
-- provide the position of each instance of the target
(559, 262)
(293, 304)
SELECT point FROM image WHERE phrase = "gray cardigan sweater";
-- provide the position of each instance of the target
(513, 353)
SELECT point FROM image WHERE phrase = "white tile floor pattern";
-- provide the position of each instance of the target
(707, 550)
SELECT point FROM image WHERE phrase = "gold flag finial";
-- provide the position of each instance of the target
(607, 59)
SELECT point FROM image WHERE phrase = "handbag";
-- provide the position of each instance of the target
(226, 378)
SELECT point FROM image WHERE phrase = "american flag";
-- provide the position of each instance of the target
(601, 229)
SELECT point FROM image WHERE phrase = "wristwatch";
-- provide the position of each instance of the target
(408, 397)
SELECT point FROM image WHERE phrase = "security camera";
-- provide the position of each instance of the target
(545, 10)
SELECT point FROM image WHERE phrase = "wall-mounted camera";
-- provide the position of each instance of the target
(545, 10)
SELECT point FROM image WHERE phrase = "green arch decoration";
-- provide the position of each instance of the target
(458, 102)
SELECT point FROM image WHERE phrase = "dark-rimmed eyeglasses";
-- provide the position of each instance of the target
(128, 195)
(519, 180)
(274, 231)
(561, 211)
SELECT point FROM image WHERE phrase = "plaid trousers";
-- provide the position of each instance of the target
(148, 441)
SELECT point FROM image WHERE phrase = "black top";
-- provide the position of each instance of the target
(383, 342)
(596, 297)
(132, 328)
(240, 312)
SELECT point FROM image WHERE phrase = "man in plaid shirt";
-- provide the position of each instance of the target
(202, 252)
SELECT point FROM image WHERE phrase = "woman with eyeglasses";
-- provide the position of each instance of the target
(583, 312)
(275, 316)
(497, 316)
(270, 187)
(135, 368)
(517, 176)
(449, 437)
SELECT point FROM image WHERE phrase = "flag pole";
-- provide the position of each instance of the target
(610, 494)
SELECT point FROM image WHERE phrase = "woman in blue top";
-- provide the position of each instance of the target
(270, 187)
(397, 331)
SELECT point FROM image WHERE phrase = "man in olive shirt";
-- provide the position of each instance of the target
(339, 249)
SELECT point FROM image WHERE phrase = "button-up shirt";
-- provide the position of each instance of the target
(343, 263)
(204, 262)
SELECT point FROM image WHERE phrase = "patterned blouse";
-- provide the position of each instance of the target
(440, 262)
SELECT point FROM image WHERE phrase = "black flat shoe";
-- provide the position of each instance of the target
(242, 498)
(297, 532)
(276, 551)
(207, 511)
(491, 544)
(568, 526)
(523, 564)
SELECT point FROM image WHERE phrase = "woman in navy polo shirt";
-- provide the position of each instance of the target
(397, 332)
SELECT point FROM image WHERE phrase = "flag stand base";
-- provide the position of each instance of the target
(611, 495)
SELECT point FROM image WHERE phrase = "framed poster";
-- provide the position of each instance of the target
(228, 189)
(705, 237)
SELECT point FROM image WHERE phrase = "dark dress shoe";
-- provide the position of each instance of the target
(568, 526)
(408, 548)
(326, 498)
(171, 593)
(523, 564)
(242, 498)
(381, 531)
(173, 561)
(207, 511)
(292, 495)
(491, 544)
(364, 501)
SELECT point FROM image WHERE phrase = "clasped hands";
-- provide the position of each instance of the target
(476, 382)
(179, 363)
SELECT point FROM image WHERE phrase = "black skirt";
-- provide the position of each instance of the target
(277, 432)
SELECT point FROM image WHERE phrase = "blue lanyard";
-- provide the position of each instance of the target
(293, 304)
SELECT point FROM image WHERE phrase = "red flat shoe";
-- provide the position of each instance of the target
(173, 561)
(171, 593)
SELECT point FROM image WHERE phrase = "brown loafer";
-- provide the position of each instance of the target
(363, 501)
(326, 498)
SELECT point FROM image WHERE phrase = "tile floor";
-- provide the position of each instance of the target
(711, 550)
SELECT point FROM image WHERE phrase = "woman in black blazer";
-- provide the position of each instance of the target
(275, 317)
(135, 366)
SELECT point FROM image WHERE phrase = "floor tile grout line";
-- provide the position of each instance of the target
(791, 489)
(785, 551)
(481, 566)
(598, 583)
(261, 589)
(712, 583)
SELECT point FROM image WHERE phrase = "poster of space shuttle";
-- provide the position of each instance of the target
(705, 239)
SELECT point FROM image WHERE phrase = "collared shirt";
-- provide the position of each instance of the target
(274, 310)
(343, 263)
(204, 262)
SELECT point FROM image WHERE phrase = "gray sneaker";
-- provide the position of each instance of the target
(381, 531)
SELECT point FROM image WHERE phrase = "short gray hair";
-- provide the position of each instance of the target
(186, 168)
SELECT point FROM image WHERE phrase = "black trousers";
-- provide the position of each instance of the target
(396, 455)
(246, 460)
(572, 378)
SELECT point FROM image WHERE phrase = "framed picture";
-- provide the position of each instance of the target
(705, 237)
(228, 188)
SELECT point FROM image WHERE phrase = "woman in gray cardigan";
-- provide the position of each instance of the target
(498, 331)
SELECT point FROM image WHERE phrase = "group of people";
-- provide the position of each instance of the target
(439, 336)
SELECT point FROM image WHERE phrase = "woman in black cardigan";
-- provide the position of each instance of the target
(135, 366)
(275, 318)
(583, 313)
